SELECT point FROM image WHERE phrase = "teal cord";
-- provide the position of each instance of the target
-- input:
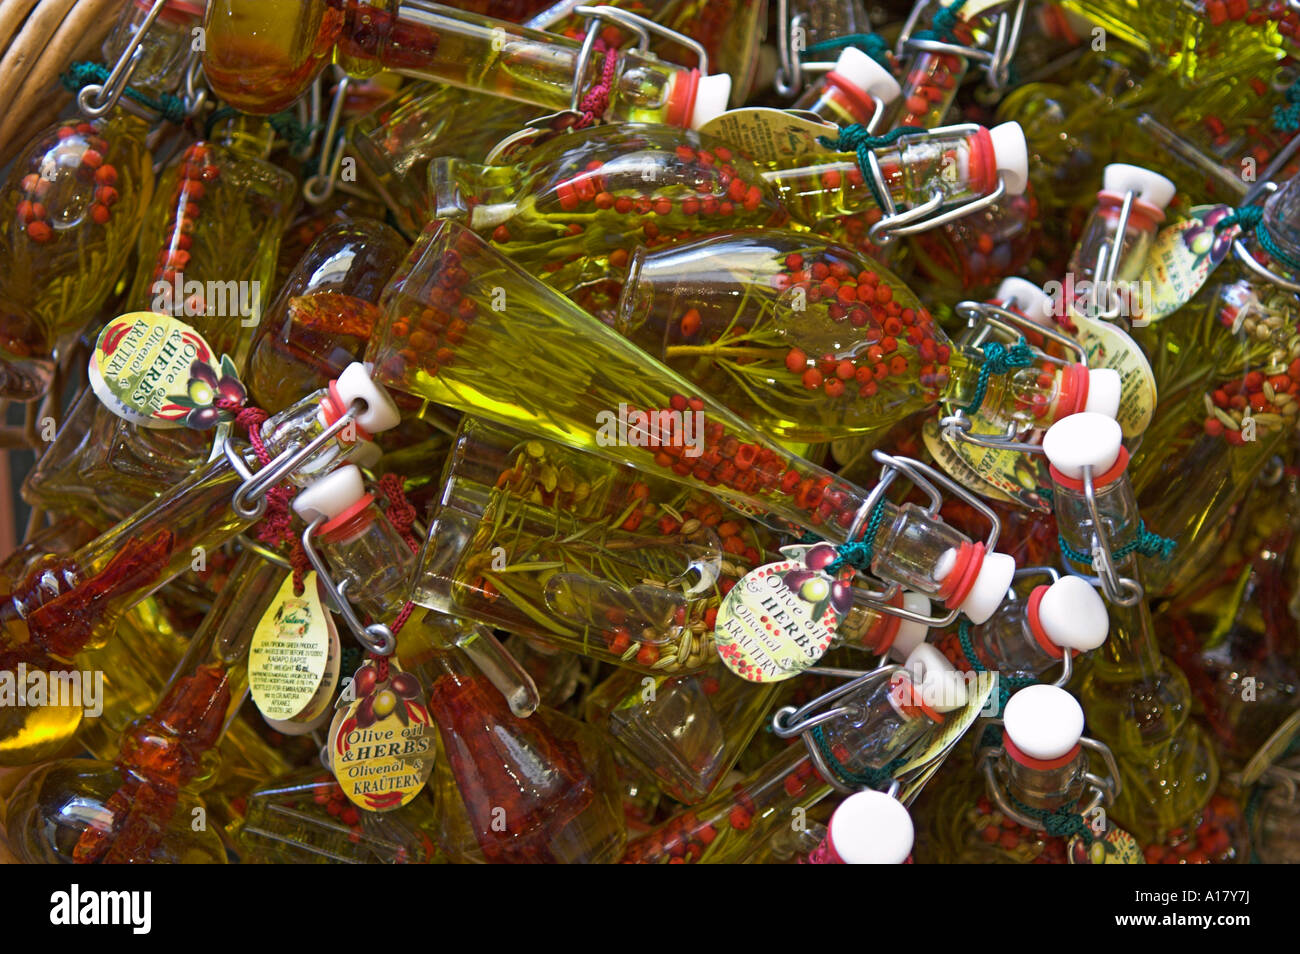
(1007, 685)
(1062, 823)
(1146, 543)
(856, 139)
(1252, 217)
(857, 554)
(1287, 118)
(868, 778)
(868, 43)
(167, 105)
(998, 359)
(941, 27)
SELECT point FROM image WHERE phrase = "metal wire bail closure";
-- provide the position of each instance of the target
(925, 478)
(249, 499)
(1104, 789)
(1119, 590)
(631, 21)
(995, 63)
(96, 100)
(931, 213)
(377, 638)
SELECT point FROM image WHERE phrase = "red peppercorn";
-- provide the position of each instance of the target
(101, 215)
(39, 232)
(812, 379)
(690, 323)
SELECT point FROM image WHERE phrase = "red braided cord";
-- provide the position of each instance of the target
(401, 515)
(275, 529)
(594, 104)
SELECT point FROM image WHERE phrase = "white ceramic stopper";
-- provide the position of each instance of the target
(938, 681)
(991, 586)
(1044, 722)
(1150, 187)
(1011, 153)
(910, 634)
(1028, 299)
(330, 495)
(1081, 440)
(871, 828)
(1104, 389)
(711, 97)
(381, 413)
(860, 70)
(1073, 615)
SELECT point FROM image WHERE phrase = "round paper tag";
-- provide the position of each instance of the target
(780, 618)
(289, 652)
(316, 713)
(1181, 259)
(156, 371)
(1116, 847)
(1108, 346)
(381, 745)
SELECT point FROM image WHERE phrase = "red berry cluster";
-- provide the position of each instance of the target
(196, 172)
(684, 838)
(433, 332)
(930, 81)
(754, 470)
(1233, 400)
(1006, 834)
(79, 144)
(864, 300)
(1211, 842)
(721, 192)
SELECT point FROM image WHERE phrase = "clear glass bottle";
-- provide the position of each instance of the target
(323, 315)
(887, 720)
(853, 93)
(74, 200)
(686, 731)
(1091, 261)
(261, 58)
(1138, 703)
(812, 342)
(206, 253)
(1026, 638)
(143, 808)
(67, 604)
(575, 396)
(536, 790)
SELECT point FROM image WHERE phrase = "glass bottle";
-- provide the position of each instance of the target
(304, 818)
(448, 285)
(1091, 261)
(322, 317)
(535, 791)
(574, 209)
(1197, 42)
(396, 141)
(960, 164)
(68, 604)
(685, 731)
(1040, 766)
(813, 342)
(1138, 703)
(261, 58)
(1026, 638)
(143, 808)
(75, 198)
(885, 721)
(1227, 366)
(206, 254)
(855, 92)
